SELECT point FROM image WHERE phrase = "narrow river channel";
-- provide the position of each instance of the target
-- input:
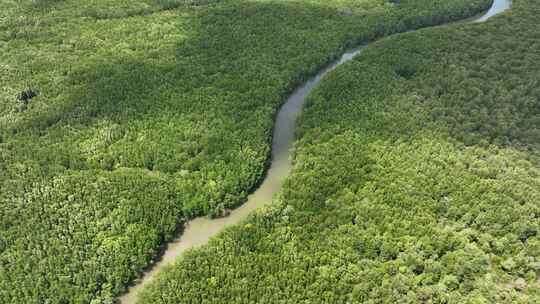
(198, 231)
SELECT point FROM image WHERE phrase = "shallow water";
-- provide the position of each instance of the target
(497, 7)
(200, 230)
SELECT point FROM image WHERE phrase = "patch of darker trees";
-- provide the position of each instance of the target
(25, 96)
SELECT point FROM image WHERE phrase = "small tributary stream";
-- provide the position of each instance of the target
(198, 231)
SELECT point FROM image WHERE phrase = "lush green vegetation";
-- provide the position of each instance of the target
(416, 180)
(120, 119)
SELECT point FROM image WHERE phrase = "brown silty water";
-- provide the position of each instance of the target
(199, 231)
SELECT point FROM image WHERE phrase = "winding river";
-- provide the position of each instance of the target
(198, 231)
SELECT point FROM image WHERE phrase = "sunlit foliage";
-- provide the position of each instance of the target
(416, 180)
(147, 113)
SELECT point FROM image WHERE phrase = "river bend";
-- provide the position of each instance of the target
(198, 231)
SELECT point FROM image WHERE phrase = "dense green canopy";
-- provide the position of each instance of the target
(416, 180)
(121, 119)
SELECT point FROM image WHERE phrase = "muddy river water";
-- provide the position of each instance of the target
(198, 231)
